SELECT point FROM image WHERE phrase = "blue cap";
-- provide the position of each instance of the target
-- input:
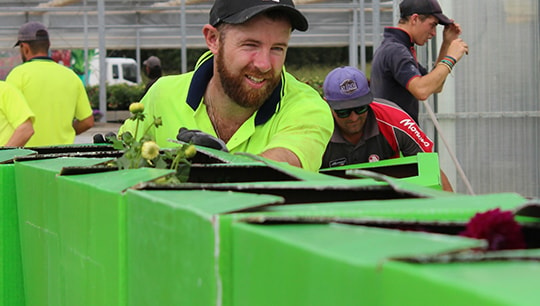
(346, 87)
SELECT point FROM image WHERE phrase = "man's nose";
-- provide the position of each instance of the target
(262, 61)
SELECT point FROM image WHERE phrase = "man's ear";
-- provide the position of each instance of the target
(211, 35)
(25, 49)
(414, 18)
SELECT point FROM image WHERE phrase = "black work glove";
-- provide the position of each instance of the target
(200, 138)
(99, 138)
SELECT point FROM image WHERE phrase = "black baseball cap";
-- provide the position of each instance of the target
(423, 7)
(240, 11)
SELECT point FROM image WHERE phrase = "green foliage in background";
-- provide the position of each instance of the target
(311, 75)
(314, 75)
(299, 57)
(119, 97)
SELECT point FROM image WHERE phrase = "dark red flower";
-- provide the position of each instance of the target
(498, 227)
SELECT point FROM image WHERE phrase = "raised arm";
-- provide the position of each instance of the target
(454, 47)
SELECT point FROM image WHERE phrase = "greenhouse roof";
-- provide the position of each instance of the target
(129, 24)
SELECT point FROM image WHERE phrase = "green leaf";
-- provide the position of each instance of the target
(160, 163)
(127, 138)
(117, 144)
(123, 162)
(169, 155)
(182, 172)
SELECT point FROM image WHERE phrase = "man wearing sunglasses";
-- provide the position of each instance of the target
(368, 129)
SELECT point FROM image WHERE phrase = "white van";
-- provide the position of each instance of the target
(120, 70)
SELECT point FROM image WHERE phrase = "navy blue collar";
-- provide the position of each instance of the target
(201, 78)
(399, 35)
(40, 58)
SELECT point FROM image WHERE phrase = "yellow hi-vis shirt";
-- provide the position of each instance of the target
(56, 95)
(13, 111)
(295, 117)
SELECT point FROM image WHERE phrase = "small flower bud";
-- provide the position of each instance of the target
(158, 122)
(190, 151)
(136, 107)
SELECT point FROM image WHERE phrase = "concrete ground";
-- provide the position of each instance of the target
(99, 128)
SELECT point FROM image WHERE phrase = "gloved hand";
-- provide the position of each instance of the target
(200, 138)
(99, 138)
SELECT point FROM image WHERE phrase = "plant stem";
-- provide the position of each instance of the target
(176, 161)
(148, 129)
(136, 128)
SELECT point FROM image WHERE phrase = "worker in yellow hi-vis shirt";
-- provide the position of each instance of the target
(239, 94)
(55, 94)
(16, 118)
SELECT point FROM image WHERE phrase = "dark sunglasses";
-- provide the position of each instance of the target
(344, 113)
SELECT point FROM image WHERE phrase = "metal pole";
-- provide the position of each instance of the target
(138, 49)
(433, 47)
(452, 155)
(395, 11)
(353, 36)
(376, 24)
(184, 34)
(85, 19)
(102, 64)
(363, 36)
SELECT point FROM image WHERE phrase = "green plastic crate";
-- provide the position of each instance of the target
(37, 199)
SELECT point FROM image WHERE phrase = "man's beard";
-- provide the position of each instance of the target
(234, 86)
